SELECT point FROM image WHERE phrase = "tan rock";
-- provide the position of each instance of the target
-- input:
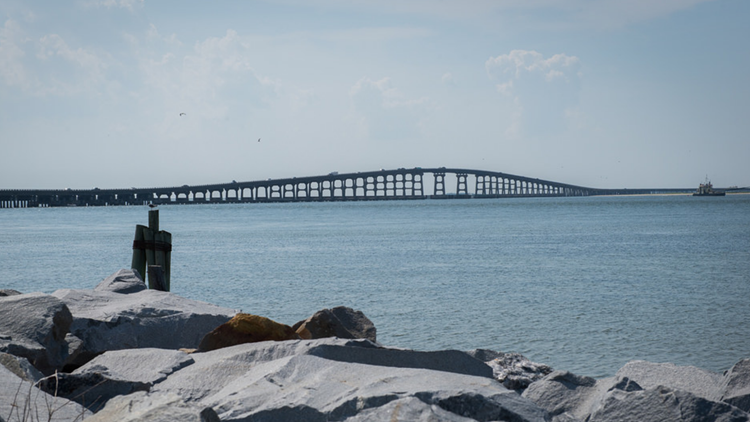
(246, 328)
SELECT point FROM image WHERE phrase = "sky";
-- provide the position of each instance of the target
(144, 93)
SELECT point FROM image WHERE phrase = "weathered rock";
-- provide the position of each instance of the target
(20, 401)
(663, 404)
(213, 370)
(91, 390)
(341, 322)
(485, 355)
(330, 390)
(335, 379)
(105, 320)
(117, 373)
(570, 397)
(34, 326)
(517, 372)
(140, 406)
(147, 365)
(123, 281)
(407, 409)
(567, 395)
(246, 328)
(694, 380)
(9, 292)
(736, 385)
(20, 367)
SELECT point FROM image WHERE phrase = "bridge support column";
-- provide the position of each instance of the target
(461, 185)
(439, 188)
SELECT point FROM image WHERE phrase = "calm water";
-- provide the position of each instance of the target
(582, 284)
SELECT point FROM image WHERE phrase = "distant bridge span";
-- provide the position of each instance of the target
(402, 183)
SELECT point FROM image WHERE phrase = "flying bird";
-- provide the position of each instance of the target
(183, 114)
(258, 139)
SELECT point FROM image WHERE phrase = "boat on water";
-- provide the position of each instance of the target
(707, 189)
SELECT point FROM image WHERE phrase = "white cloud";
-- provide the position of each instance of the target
(541, 89)
(385, 111)
(56, 68)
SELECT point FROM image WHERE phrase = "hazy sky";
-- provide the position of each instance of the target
(616, 93)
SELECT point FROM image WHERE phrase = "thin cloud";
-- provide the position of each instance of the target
(540, 89)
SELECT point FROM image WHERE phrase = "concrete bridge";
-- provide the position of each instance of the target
(402, 183)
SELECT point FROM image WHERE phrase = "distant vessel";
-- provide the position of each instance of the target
(707, 189)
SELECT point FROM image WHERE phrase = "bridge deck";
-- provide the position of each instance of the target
(399, 184)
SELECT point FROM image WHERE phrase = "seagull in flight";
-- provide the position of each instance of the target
(258, 139)
(183, 114)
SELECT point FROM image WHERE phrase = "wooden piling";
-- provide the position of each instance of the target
(153, 247)
(153, 220)
(156, 280)
(138, 262)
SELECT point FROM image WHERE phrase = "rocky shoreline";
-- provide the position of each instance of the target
(121, 352)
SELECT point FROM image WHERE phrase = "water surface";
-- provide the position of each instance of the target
(582, 284)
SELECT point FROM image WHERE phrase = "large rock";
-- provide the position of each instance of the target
(105, 320)
(567, 395)
(341, 322)
(694, 380)
(123, 281)
(336, 379)
(116, 373)
(668, 393)
(517, 372)
(246, 328)
(315, 389)
(140, 407)
(34, 326)
(407, 409)
(214, 370)
(21, 367)
(9, 292)
(21, 401)
(663, 404)
(736, 385)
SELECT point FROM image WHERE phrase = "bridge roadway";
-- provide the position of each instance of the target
(402, 183)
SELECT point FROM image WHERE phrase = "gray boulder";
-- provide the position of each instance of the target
(116, 373)
(568, 396)
(315, 389)
(105, 320)
(139, 407)
(341, 322)
(34, 326)
(9, 292)
(696, 381)
(736, 385)
(21, 401)
(407, 409)
(516, 371)
(214, 370)
(20, 367)
(336, 379)
(123, 281)
(663, 404)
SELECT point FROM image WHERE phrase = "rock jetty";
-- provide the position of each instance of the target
(122, 352)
